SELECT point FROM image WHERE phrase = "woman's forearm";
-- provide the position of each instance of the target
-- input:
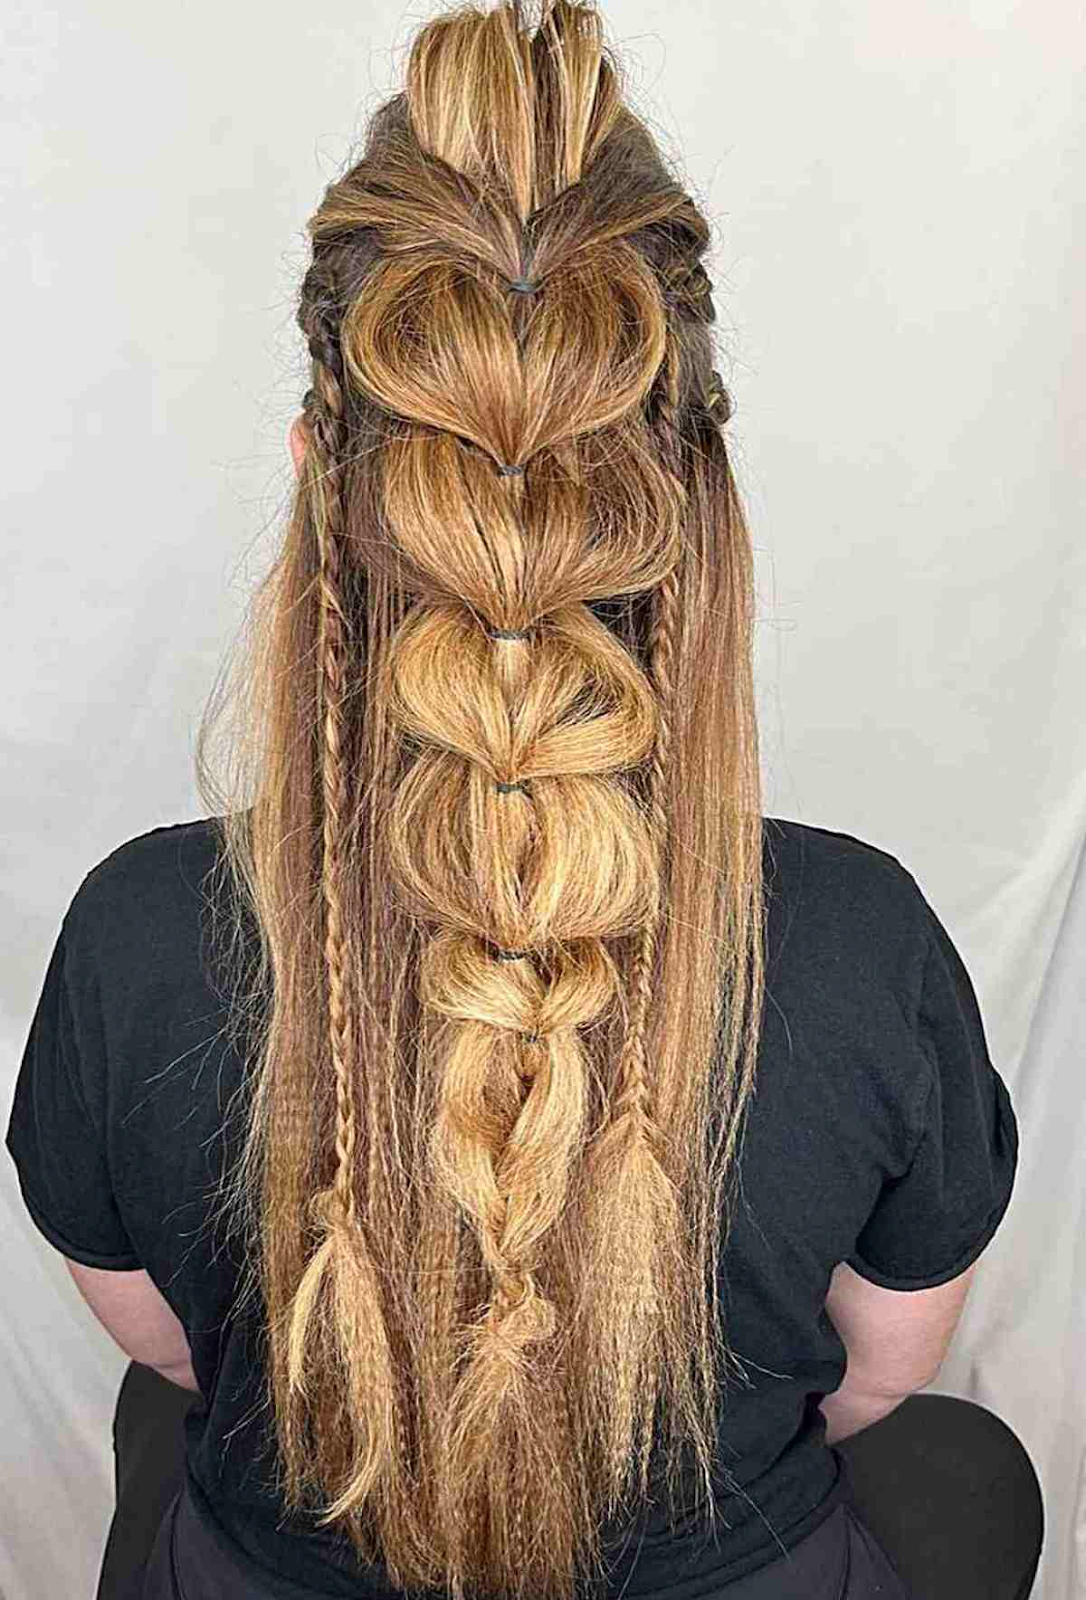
(849, 1410)
(181, 1374)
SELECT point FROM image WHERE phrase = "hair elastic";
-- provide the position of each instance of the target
(510, 788)
(523, 286)
(508, 633)
(511, 955)
(510, 472)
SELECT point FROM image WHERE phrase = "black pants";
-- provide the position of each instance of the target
(944, 1504)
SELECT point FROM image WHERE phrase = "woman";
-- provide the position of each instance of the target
(512, 1243)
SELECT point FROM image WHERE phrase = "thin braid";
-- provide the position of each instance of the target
(662, 653)
(331, 655)
(343, 1257)
(325, 405)
(633, 1073)
(635, 1141)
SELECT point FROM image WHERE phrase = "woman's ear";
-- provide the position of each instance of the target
(297, 442)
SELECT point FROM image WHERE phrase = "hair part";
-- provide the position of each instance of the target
(492, 823)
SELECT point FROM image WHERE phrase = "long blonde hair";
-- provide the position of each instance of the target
(493, 811)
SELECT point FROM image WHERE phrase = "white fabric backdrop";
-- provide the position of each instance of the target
(897, 195)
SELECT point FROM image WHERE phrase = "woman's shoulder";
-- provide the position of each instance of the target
(130, 899)
(845, 893)
(827, 846)
(832, 854)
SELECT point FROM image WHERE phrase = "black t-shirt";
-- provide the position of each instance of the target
(880, 1134)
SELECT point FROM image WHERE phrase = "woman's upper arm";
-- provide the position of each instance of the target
(133, 1310)
(896, 1339)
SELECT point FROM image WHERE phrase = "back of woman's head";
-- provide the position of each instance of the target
(496, 817)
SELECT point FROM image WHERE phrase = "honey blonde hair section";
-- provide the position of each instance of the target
(491, 812)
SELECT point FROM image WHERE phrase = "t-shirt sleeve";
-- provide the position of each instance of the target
(932, 1222)
(57, 1129)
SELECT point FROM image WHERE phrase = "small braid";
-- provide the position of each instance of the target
(325, 409)
(633, 1081)
(343, 1264)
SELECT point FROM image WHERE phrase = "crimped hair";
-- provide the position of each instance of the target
(494, 814)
